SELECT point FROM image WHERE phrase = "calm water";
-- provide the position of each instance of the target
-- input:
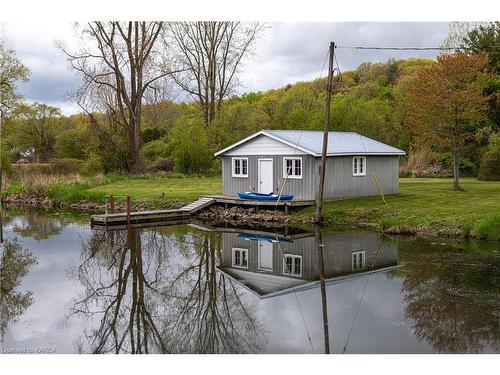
(200, 289)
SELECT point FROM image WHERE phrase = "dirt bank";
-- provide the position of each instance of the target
(243, 215)
(28, 200)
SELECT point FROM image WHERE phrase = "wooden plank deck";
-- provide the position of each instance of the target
(186, 212)
(229, 199)
(140, 217)
(199, 204)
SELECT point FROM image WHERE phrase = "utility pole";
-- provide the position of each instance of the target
(1, 176)
(319, 198)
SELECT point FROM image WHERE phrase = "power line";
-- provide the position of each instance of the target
(409, 48)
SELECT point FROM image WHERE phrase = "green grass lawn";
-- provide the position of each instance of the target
(423, 203)
(180, 189)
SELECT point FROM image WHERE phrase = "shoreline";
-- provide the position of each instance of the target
(243, 216)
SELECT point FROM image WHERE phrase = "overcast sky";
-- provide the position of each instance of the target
(286, 53)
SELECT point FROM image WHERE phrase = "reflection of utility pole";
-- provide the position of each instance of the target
(319, 242)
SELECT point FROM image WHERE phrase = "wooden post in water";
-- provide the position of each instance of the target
(128, 212)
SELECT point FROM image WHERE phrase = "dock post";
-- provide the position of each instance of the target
(111, 205)
(286, 209)
(128, 212)
(106, 205)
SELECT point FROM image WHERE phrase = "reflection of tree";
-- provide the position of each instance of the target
(454, 298)
(15, 263)
(210, 316)
(151, 296)
(40, 227)
(117, 290)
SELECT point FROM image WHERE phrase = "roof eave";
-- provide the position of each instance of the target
(401, 153)
(263, 132)
(224, 150)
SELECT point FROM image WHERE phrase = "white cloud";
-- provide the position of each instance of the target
(287, 53)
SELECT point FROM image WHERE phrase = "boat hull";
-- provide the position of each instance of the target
(264, 197)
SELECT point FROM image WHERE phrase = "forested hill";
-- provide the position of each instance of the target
(366, 100)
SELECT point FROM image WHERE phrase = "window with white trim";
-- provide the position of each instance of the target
(240, 167)
(358, 260)
(240, 257)
(292, 265)
(292, 167)
(359, 166)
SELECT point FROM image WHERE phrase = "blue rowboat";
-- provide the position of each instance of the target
(264, 197)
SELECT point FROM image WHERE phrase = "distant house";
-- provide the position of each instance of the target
(288, 161)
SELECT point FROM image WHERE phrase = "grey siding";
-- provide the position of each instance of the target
(301, 188)
(340, 183)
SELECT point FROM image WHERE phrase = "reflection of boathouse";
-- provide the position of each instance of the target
(270, 265)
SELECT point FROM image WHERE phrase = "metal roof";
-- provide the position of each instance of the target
(311, 142)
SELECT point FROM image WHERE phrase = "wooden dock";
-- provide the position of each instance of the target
(152, 216)
(237, 201)
(173, 216)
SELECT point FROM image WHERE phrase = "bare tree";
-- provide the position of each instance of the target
(209, 55)
(126, 59)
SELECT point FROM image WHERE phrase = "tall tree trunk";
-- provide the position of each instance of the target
(456, 170)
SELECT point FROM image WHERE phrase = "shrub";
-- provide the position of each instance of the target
(191, 147)
(490, 165)
(154, 150)
(466, 167)
(72, 143)
(66, 166)
(23, 170)
(5, 159)
(489, 228)
(150, 134)
(92, 166)
(421, 163)
(165, 165)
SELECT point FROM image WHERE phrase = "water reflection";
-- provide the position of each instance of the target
(453, 295)
(15, 264)
(152, 293)
(270, 264)
(205, 289)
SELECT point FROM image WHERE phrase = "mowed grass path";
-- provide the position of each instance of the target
(181, 189)
(425, 202)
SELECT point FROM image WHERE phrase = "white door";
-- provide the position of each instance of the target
(265, 176)
(265, 255)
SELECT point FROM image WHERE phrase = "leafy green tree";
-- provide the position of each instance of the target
(486, 38)
(38, 128)
(190, 145)
(444, 104)
(12, 70)
(72, 143)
